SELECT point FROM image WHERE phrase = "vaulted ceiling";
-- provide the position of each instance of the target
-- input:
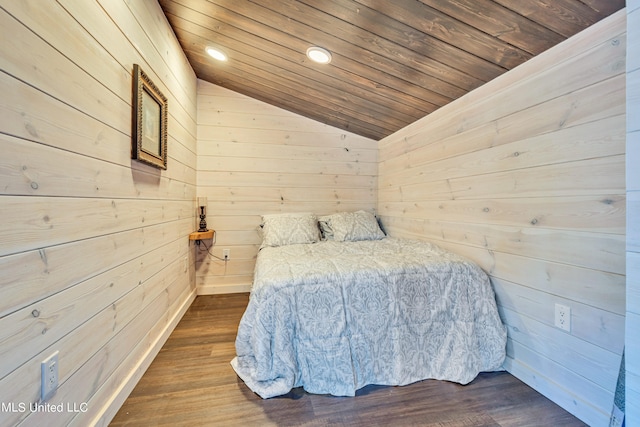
(394, 61)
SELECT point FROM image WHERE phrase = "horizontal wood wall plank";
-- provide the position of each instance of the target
(283, 206)
(32, 115)
(585, 359)
(235, 222)
(275, 166)
(585, 285)
(599, 213)
(60, 74)
(254, 159)
(591, 250)
(29, 171)
(114, 94)
(576, 143)
(238, 236)
(284, 179)
(243, 194)
(525, 176)
(241, 252)
(94, 246)
(115, 76)
(39, 222)
(217, 267)
(597, 176)
(176, 69)
(160, 57)
(45, 322)
(283, 137)
(44, 272)
(272, 151)
(602, 327)
(103, 364)
(94, 336)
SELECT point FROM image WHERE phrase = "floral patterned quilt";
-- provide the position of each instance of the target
(333, 317)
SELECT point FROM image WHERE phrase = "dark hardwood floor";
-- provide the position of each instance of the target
(191, 383)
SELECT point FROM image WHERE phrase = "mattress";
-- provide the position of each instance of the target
(332, 317)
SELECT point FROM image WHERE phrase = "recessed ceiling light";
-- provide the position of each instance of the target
(215, 53)
(319, 55)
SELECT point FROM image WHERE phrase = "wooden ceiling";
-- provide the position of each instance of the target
(394, 61)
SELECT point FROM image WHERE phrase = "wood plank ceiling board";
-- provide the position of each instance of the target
(394, 62)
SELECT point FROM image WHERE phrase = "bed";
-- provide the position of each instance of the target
(333, 311)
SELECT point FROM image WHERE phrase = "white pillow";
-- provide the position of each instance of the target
(289, 229)
(354, 226)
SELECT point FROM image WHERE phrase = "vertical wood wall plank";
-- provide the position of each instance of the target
(632, 350)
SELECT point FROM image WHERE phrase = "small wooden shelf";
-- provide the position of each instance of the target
(201, 235)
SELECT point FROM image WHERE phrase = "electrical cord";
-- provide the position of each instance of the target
(214, 256)
(206, 248)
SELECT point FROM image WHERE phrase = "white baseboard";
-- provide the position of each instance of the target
(223, 289)
(109, 410)
(562, 397)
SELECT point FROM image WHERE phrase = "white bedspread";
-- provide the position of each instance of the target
(333, 317)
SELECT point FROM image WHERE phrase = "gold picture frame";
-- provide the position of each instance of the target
(149, 136)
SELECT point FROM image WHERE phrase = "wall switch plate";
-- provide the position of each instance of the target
(49, 377)
(563, 317)
(226, 254)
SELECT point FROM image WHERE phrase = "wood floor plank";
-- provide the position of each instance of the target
(191, 383)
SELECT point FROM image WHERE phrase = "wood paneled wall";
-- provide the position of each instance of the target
(525, 175)
(94, 256)
(632, 352)
(255, 159)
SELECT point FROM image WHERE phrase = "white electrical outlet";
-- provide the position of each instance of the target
(49, 377)
(226, 254)
(563, 317)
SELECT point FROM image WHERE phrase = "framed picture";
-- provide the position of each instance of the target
(149, 142)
